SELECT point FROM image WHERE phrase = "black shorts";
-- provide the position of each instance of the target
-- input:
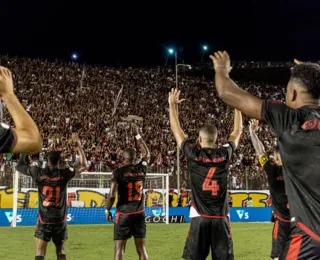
(57, 232)
(300, 246)
(128, 225)
(206, 233)
(280, 235)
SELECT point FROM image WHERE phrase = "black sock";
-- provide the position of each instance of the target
(62, 257)
(39, 258)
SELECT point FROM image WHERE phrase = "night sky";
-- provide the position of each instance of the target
(137, 33)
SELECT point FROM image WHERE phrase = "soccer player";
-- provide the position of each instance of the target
(25, 137)
(273, 169)
(128, 182)
(52, 184)
(208, 168)
(296, 125)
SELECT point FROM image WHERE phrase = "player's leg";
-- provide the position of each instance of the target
(119, 249)
(276, 247)
(280, 235)
(43, 236)
(139, 230)
(59, 238)
(41, 249)
(141, 248)
(122, 232)
(198, 242)
(221, 239)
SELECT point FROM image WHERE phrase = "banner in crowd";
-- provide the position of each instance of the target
(94, 197)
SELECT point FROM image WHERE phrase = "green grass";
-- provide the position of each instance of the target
(252, 241)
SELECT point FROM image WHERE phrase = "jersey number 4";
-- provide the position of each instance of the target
(138, 188)
(48, 191)
(209, 184)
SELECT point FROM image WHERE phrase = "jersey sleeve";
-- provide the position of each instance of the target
(143, 165)
(69, 173)
(7, 138)
(115, 177)
(24, 168)
(277, 115)
(189, 149)
(230, 147)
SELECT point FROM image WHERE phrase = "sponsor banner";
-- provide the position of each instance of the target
(28, 217)
(94, 197)
(250, 214)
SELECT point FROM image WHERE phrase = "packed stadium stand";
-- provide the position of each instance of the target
(70, 97)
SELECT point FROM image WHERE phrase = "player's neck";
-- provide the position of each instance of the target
(308, 101)
(208, 146)
(127, 162)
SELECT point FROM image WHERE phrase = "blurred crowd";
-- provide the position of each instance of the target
(99, 103)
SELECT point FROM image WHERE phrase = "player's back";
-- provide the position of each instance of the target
(298, 134)
(130, 180)
(52, 189)
(208, 169)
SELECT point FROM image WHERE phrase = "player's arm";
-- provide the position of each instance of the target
(237, 128)
(111, 197)
(142, 145)
(23, 166)
(176, 129)
(229, 91)
(82, 156)
(257, 144)
(25, 137)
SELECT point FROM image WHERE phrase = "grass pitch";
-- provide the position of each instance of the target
(252, 241)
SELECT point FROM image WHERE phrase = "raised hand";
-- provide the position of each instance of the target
(76, 140)
(174, 96)
(297, 61)
(6, 82)
(254, 125)
(135, 129)
(221, 61)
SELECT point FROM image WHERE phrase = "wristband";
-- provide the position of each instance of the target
(107, 211)
(138, 136)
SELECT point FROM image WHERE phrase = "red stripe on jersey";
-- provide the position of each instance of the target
(117, 218)
(294, 248)
(308, 231)
(209, 216)
(131, 213)
(276, 229)
(282, 219)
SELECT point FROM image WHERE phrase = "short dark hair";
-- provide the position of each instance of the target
(130, 153)
(53, 157)
(210, 131)
(308, 76)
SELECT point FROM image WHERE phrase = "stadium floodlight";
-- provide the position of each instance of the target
(204, 48)
(171, 51)
(74, 56)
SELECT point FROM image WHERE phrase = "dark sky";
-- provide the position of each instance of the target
(138, 32)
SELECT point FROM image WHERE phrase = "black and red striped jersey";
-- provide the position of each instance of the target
(298, 134)
(130, 180)
(208, 170)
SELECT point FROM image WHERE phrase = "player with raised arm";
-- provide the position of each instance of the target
(52, 184)
(296, 125)
(128, 182)
(208, 168)
(273, 169)
(25, 137)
